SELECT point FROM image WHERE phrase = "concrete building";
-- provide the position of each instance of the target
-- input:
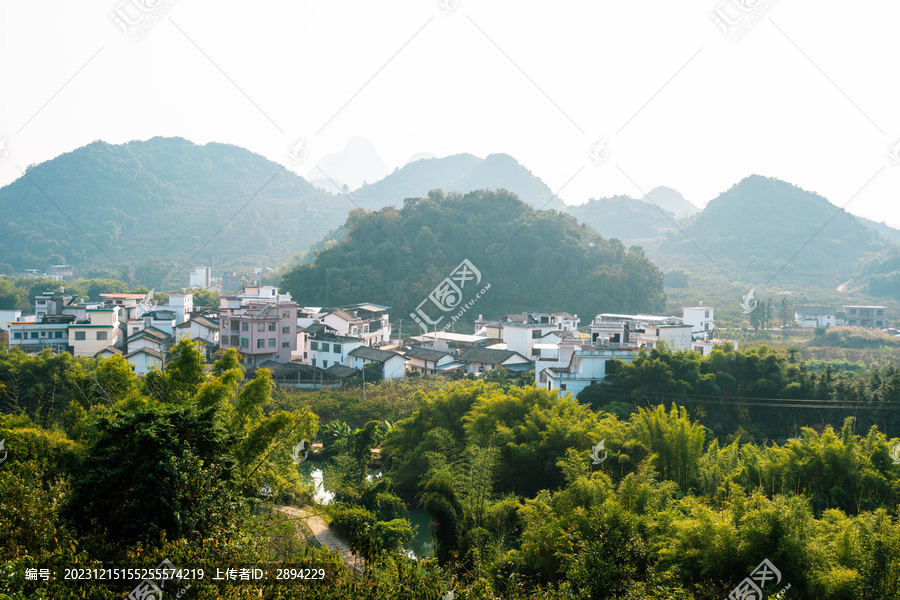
(429, 362)
(873, 317)
(259, 327)
(34, 336)
(100, 331)
(479, 360)
(701, 319)
(587, 365)
(815, 316)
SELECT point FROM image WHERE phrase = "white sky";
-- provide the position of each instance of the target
(809, 94)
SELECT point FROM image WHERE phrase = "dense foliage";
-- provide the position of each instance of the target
(533, 259)
(634, 490)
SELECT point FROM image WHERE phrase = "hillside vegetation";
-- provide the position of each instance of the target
(540, 260)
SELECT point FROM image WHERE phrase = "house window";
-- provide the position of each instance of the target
(43, 334)
(325, 347)
(272, 342)
(337, 348)
(880, 312)
(102, 335)
(79, 336)
(260, 343)
(285, 330)
(34, 335)
(58, 334)
(235, 325)
(324, 364)
(272, 327)
(535, 351)
(17, 335)
(536, 334)
(285, 344)
(234, 340)
(245, 343)
(245, 326)
(41, 303)
(562, 386)
(285, 315)
(707, 314)
(314, 345)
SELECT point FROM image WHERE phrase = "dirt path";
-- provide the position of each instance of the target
(324, 535)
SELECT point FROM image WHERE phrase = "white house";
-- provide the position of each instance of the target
(151, 338)
(700, 318)
(586, 366)
(393, 365)
(199, 327)
(33, 336)
(815, 316)
(478, 360)
(145, 359)
(427, 361)
(325, 349)
(522, 337)
(675, 337)
(368, 321)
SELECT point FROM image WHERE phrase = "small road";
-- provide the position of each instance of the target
(324, 536)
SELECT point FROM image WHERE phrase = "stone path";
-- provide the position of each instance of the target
(324, 535)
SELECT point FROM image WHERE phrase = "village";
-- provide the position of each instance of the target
(313, 347)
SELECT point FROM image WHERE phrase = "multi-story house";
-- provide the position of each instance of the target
(429, 362)
(325, 348)
(100, 331)
(586, 366)
(260, 328)
(873, 317)
(368, 321)
(701, 319)
(34, 336)
(522, 337)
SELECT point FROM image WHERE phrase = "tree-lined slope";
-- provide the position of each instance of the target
(532, 259)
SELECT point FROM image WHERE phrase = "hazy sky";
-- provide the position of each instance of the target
(803, 91)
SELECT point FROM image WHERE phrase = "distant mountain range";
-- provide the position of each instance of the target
(458, 173)
(118, 206)
(171, 201)
(761, 227)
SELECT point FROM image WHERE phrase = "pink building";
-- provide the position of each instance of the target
(260, 328)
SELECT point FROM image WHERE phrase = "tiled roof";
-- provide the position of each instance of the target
(486, 356)
(421, 353)
(367, 353)
(340, 371)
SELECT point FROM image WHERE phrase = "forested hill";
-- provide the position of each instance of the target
(163, 198)
(753, 229)
(458, 173)
(533, 259)
(624, 218)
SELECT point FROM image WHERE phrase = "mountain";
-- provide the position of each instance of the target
(119, 206)
(458, 173)
(761, 227)
(356, 164)
(534, 259)
(622, 217)
(883, 229)
(671, 200)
